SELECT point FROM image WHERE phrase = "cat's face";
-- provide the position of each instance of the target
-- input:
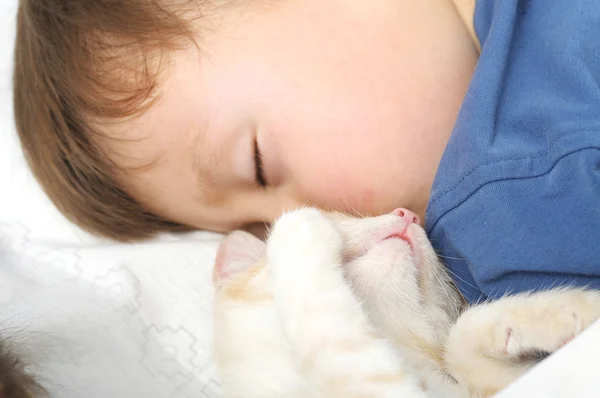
(389, 263)
(403, 285)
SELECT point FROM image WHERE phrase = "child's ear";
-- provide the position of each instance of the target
(237, 252)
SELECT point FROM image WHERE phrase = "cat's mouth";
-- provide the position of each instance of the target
(403, 236)
(360, 240)
(407, 235)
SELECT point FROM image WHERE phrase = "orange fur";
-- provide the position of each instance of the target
(241, 289)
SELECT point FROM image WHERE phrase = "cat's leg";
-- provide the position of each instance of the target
(336, 347)
(493, 344)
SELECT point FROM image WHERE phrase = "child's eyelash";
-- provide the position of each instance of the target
(258, 165)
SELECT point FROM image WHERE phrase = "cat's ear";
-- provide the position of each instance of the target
(238, 251)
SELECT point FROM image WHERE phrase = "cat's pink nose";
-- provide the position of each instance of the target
(408, 216)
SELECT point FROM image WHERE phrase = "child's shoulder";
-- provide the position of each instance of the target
(523, 158)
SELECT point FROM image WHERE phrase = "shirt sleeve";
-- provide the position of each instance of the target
(515, 205)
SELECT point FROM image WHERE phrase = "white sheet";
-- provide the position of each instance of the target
(110, 320)
(100, 319)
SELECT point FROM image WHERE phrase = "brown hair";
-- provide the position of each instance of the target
(83, 60)
(15, 380)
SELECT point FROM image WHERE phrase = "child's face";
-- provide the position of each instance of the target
(350, 102)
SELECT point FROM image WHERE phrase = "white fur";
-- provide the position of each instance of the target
(317, 309)
(334, 280)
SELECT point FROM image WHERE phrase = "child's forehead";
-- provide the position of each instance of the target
(173, 125)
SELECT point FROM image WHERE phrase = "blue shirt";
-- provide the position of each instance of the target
(515, 205)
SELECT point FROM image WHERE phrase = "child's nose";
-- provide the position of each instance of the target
(408, 216)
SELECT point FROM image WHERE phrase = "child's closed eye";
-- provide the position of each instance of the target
(258, 165)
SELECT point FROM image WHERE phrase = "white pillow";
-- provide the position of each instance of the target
(97, 318)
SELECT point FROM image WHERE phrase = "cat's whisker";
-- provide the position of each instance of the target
(456, 276)
(450, 257)
(441, 281)
(353, 211)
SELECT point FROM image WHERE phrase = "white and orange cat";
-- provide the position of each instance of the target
(333, 306)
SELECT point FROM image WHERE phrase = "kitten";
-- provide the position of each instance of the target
(333, 306)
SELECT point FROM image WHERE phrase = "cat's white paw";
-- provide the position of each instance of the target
(304, 234)
(493, 344)
(533, 343)
(546, 322)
